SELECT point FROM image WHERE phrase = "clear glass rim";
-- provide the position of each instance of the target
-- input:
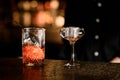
(36, 28)
(81, 28)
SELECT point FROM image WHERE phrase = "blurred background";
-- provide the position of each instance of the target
(16, 14)
(100, 18)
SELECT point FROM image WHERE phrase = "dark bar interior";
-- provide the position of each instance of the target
(99, 18)
(70, 53)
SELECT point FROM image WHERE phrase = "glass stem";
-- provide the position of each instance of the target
(72, 54)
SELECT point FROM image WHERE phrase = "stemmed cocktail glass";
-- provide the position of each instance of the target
(72, 34)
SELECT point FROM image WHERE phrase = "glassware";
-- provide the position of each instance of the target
(33, 46)
(72, 34)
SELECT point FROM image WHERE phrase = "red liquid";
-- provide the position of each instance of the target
(72, 39)
(32, 54)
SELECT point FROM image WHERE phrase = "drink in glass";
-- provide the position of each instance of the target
(33, 46)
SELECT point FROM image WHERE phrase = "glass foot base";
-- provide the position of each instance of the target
(72, 65)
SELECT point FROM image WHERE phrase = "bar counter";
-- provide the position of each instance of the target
(12, 69)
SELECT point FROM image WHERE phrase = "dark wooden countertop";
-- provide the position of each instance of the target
(12, 69)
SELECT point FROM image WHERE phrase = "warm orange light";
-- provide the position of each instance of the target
(16, 18)
(34, 4)
(27, 19)
(42, 18)
(26, 5)
(47, 5)
(54, 4)
(59, 21)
